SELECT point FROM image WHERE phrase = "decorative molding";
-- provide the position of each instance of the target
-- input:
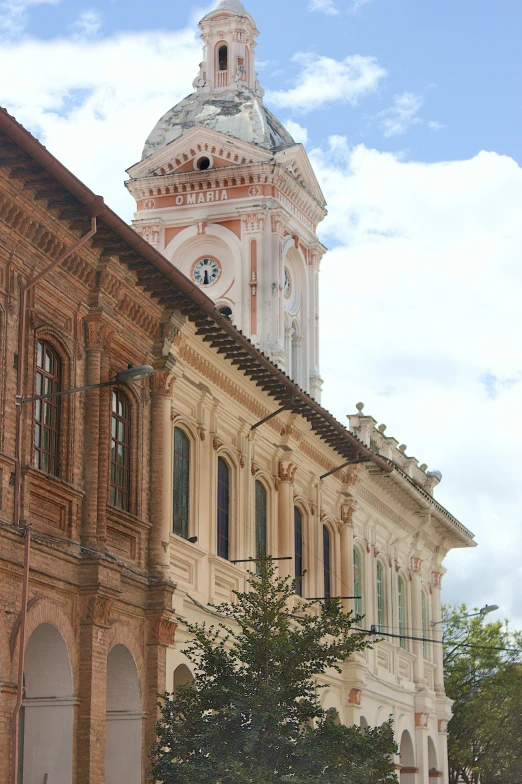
(279, 221)
(416, 564)
(162, 631)
(389, 514)
(161, 383)
(355, 697)
(202, 433)
(253, 221)
(98, 609)
(287, 472)
(216, 443)
(443, 726)
(98, 335)
(422, 719)
(150, 232)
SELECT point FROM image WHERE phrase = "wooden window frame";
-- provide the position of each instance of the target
(298, 550)
(185, 472)
(47, 381)
(223, 511)
(120, 492)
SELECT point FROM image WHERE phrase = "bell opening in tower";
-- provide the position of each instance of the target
(223, 58)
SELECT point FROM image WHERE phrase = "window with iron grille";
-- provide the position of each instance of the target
(119, 491)
(181, 483)
(327, 565)
(261, 526)
(357, 581)
(47, 412)
(298, 555)
(223, 509)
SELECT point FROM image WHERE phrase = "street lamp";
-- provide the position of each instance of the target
(488, 608)
(128, 376)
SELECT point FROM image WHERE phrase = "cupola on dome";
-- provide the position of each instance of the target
(228, 97)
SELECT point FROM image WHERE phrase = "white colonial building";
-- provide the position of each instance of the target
(228, 197)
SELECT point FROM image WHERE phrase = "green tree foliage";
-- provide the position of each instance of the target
(253, 714)
(485, 682)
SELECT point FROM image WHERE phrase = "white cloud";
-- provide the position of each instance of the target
(14, 16)
(299, 133)
(324, 80)
(420, 319)
(88, 25)
(356, 4)
(324, 7)
(91, 106)
(397, 119)
(433, 125)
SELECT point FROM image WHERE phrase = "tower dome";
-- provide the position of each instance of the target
(228, 97)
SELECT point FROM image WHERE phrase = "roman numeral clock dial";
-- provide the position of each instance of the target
(206, 272)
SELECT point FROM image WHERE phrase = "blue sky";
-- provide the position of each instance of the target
(410, 111)
(462, 59)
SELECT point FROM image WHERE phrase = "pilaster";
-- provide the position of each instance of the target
(286, 536)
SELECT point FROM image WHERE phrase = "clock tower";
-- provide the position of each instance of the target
(225, 193)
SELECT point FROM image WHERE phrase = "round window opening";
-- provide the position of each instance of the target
(203, 164)
(226, 311)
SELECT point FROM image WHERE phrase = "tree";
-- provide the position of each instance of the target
(483, 671)
(253, 714)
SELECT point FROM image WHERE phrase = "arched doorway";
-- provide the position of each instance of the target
(432, 757)
(182, 676)
(123, 739)
(46, 719)
(408, 769)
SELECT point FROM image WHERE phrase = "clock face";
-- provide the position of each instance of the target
(206, 272)
(288, 284)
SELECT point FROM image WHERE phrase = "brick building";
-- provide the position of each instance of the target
(139, 497)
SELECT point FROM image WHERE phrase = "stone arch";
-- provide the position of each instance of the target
(407, 757)
(47, 716)
(129, 638)
(44, 610)
(124, 719)
(182, 676)
(363, 723)
(331, 703)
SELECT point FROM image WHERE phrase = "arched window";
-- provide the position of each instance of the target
(119, 493)
(226, 311)
(380, 596)
(401, 601)
(424, 612)
(181, 483)
(357, 581)
(223, 58)
(327, 563)
(297, 342)
(298, 554)
(223, 508)
(261, 515)
(47, 412)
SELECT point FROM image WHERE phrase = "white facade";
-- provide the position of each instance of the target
(223, 185)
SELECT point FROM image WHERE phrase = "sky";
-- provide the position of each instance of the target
(411, 113)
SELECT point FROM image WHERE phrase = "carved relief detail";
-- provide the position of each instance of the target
(287, 472)
(437, 579)
(278, 224)
(355, 697)
(161, 383)
(416, 564)
(150, 233)
(443, 725)
(162, 631)
(421, 720)
(253, 221)
(98, 609)
(98, 335)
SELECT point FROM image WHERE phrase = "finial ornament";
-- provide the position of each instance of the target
(359, 407)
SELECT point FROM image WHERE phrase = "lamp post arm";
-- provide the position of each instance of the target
(22, 400)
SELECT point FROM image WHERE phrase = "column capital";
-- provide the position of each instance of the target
(287, 472)
(416, 564)
(162, 382)
(162, 631)
(98, 335)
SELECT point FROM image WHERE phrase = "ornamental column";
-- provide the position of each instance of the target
(286, 536)
(97, 334)
(347, 576)
(161, 384)
(277, 321)
(438, 657)
(314, 263)
(416, 611)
